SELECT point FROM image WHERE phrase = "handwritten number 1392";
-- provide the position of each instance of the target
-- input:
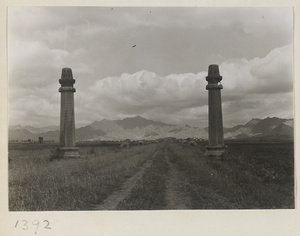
(25, 226)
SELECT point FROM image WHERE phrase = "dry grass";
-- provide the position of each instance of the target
(242, 181)
(252, 176)
(38, 184)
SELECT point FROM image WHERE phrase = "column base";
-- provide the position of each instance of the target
(215, 151)
(67, 152)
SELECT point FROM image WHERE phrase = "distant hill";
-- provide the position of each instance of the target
(21, 134)
(34, 130)
(136, 128)
(138, 122)
(256, 128)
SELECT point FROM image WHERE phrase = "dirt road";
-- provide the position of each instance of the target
(175, 194)
(114, 199)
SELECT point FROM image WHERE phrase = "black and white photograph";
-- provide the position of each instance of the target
(140, 119)
(150, 108)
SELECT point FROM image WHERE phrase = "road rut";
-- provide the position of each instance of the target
(176, 194)
(115, 198)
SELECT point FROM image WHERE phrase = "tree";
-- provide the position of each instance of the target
(41, 139)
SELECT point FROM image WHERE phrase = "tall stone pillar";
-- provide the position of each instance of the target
(215, 122)
(67, 116)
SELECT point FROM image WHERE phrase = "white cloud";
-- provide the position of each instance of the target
(252, 88)
(145, 91)
(270, 74)
(182, 97)
(175, 44)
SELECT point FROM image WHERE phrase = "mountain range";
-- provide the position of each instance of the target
(136, 128)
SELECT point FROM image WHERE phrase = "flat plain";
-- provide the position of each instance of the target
(164, 175)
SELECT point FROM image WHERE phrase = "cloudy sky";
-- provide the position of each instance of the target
(163, 77)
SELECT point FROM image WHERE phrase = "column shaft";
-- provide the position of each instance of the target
(67, 120)
(215, 118)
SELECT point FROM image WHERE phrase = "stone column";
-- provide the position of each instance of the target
(215, 122)
(67, 116)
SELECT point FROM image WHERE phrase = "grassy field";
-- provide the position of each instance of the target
(252, 176)
(38, 184)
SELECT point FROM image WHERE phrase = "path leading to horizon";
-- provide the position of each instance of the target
(114, 199)
(175, 194)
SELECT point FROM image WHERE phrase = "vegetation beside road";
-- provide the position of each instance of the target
(38, 184)
(251, 176)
